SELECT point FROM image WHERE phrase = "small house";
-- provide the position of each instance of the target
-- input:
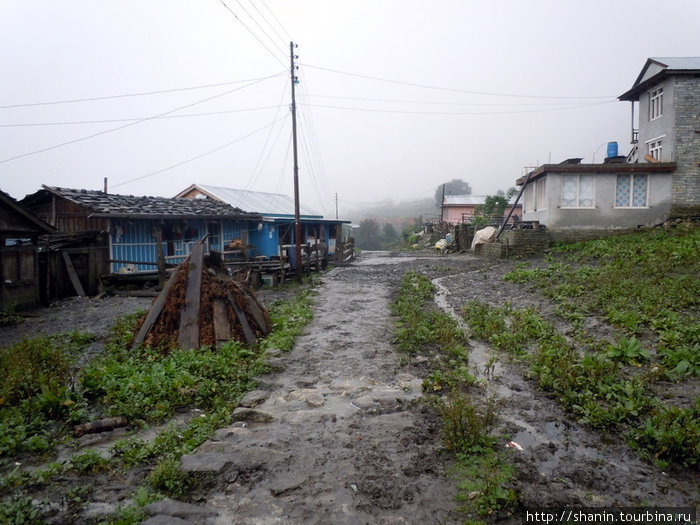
(138, 233)
(275, 231)
(461, 209)
(19, 258)
(659, 179)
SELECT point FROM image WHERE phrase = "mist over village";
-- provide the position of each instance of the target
(349, 262)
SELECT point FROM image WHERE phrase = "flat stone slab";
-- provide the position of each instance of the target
(254, 398)
(180, 509)
(252, 416)
(162, 519)
(205, 462)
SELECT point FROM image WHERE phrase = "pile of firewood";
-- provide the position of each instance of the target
(201, 305)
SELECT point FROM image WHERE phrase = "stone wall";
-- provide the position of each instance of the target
(686, 178)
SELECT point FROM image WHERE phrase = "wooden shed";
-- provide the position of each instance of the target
(19, 259)
(106, 233)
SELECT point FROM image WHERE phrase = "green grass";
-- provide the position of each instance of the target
(481, 471)
(146, 386)
(646, 287)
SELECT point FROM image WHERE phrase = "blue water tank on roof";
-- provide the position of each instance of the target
(612, 149)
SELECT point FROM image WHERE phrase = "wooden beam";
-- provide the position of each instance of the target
(247, 331)
(73, 274)
(188, 335)
(222, 327)
(154, 311)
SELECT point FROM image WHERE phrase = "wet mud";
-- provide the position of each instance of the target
(340, 431)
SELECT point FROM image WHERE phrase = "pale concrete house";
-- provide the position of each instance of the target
(658, 180)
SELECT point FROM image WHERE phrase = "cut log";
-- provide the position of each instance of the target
(102, 425)
(222, 327)
(188, 336)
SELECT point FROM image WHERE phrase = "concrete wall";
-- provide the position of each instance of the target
(604, 214)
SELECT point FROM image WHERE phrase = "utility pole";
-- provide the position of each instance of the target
(336, 206)
(297, 218)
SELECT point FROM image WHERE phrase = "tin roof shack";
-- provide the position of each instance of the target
(141, 234)
(459, 209)
(19, 261)
(275, 231)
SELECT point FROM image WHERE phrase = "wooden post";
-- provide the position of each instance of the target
(158, 236)
(188, 336)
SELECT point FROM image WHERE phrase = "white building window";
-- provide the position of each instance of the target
(631, 191)
(540, 194)
(577, 191)
(655, 148)
(656, 103)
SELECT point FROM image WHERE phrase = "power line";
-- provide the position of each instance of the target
(108, 97)
(457, 113)
(439, 103)
(454, 90)
(268, 23)
(191, 159)
(55, 146)
(289, 37)
(108, 121)
(252, 33)
(259, 27)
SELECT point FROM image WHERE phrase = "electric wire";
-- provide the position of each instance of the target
(197, 157)
(141, 94)
(268, 23)
(276, 20)
(112, 121)
(252, 33)
(272, 41)
(439, 88)
(255, 173)
(458, 113)
(80, 139)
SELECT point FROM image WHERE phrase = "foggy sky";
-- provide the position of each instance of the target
(394, 96)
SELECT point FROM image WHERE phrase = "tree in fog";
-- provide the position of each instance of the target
(368, 236)
(454, 187)
(389, 236)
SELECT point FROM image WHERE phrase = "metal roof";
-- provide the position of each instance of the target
(113, 205)
(656, 68)
(468, 200)
(266, 204)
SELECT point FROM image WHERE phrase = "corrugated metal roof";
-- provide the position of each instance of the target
(678, 62)
(114, 205)
(268, 204)
(657, 68)
(467, 200)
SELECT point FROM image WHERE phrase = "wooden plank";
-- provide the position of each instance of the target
(73, 274)
(154, 311)
(255, 310)
(188, 336)
(247, 331)
(222, 328)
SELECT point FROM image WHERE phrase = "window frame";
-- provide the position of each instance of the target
(630, 197)
(656, 103)
(655, 148)
(577, 205)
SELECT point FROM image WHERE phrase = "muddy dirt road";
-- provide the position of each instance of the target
(340, 433)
